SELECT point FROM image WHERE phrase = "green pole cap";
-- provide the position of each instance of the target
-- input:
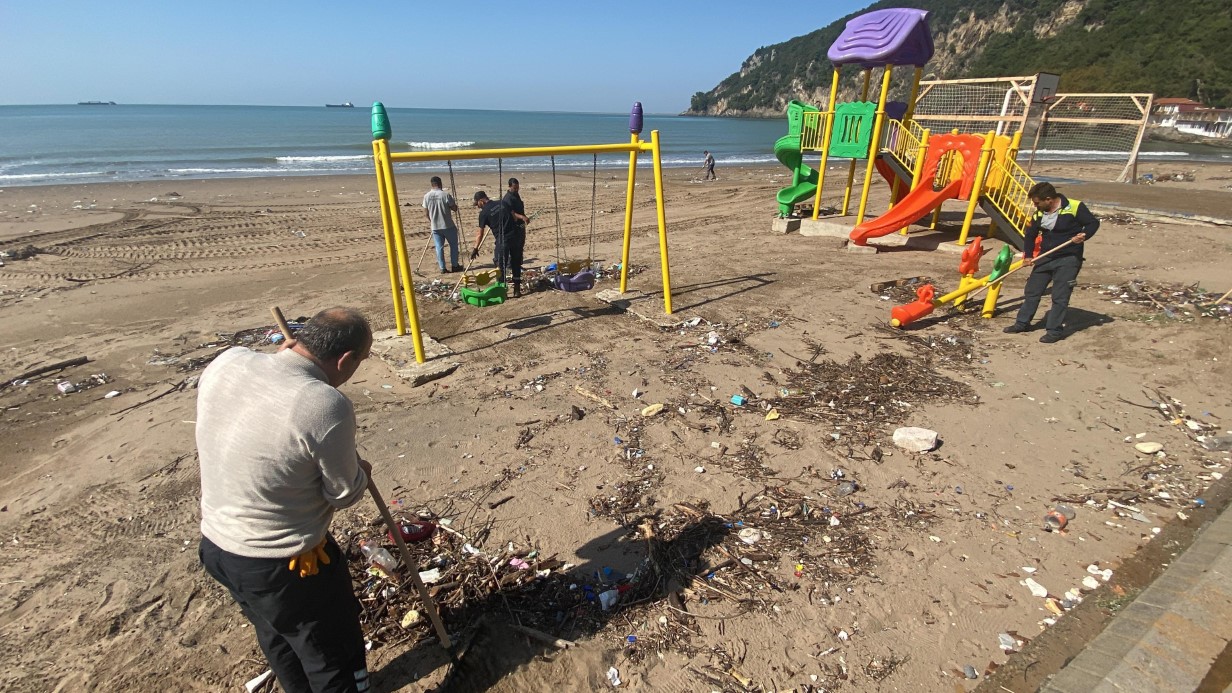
(380, 122)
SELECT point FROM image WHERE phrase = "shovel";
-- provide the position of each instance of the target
(396, 531)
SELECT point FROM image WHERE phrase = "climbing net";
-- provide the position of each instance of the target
(1002, 104)
(1092, 127)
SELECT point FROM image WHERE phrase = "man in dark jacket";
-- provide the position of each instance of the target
(1057, 219)
(510, 238)
(513, 202)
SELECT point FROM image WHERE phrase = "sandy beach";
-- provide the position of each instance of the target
(898, 581)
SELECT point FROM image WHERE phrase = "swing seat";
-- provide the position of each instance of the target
(574, 275)
(482, 289)
(582, 281)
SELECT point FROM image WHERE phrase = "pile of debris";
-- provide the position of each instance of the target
(1172, 301)
(901, 291)
(778, 540)
(863, 395)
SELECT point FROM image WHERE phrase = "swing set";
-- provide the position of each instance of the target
(571, 275)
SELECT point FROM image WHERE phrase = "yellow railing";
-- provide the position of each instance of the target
(1009, 195)
(812, 131)
(903, 141)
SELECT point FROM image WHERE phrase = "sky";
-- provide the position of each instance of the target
(579, 55)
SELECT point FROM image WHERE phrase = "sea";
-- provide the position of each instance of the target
(48, 145)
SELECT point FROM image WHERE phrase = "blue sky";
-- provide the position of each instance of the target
(553, 55)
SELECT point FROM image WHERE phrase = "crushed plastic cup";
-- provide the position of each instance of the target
(65, 387)
(609, 599)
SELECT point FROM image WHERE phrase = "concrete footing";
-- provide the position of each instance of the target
(399, 353)
(645, 306)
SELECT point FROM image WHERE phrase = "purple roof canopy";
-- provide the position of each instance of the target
(884, 37)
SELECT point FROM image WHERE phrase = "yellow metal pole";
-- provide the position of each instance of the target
(404, 263)
(624, 255)
(825, 143)
(978, 188)
(907, 116)
(851, 168)
(915, 94)
(1015, 143)
(875, 144)
(510, 152)
(379, 149)
(662, 218)
(917, 171)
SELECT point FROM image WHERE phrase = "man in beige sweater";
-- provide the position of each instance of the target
(276, 442)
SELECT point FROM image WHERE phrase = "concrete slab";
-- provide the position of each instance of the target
(399, 353)
(785, 225)
(833, 228)
(862, 249)
(648, 307)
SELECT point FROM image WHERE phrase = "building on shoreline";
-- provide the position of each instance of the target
(1192, 118)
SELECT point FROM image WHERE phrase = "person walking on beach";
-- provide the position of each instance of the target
(276, 443)
(1057, 219)
(510, 238)
(708, 164)
(513, 202)
(438, 206)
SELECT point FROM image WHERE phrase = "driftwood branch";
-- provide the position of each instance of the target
(46, 369)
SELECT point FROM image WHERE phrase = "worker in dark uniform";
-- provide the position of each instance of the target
(1057, 219)
(513, 202)
(510, 238)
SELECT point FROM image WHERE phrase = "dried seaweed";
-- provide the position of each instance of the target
(1172, 301)
(862, 395)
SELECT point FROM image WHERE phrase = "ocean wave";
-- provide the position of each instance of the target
(261, 170)
(1102, 153)
(431, 146)
(323, 159)
(45, 176)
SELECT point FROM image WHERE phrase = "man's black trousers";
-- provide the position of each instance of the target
(1062, 272)
(308, 627)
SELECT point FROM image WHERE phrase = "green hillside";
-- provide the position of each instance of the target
(1169, 47)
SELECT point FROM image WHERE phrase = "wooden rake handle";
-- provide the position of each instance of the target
(394, 530)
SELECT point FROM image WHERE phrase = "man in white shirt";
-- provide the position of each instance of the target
(276, 443)
(438, 206)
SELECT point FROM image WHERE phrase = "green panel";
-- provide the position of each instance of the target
(853, 129)
(795, 116)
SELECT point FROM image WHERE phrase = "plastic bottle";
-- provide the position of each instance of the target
(375, 553)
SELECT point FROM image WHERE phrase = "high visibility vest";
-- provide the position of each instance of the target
(1070, 209)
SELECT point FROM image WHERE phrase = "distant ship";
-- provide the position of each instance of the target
(96, 103)
(347, 104)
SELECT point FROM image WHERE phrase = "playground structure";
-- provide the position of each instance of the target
(401, 281)
(985, 122)
(882, 38)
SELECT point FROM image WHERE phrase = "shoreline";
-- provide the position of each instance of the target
(32, 209)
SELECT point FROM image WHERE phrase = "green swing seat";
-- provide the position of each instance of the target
(482, 289)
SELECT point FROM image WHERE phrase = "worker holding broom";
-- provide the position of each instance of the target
(276, 443)
(1064, 225)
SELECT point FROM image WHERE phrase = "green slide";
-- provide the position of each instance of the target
(787, 151)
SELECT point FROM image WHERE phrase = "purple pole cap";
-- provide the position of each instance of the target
(635, 118)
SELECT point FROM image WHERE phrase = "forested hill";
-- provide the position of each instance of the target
(1169, 47)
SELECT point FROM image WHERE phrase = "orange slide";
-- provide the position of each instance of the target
(918, 203)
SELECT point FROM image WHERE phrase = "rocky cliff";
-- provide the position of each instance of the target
(1169, 47)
